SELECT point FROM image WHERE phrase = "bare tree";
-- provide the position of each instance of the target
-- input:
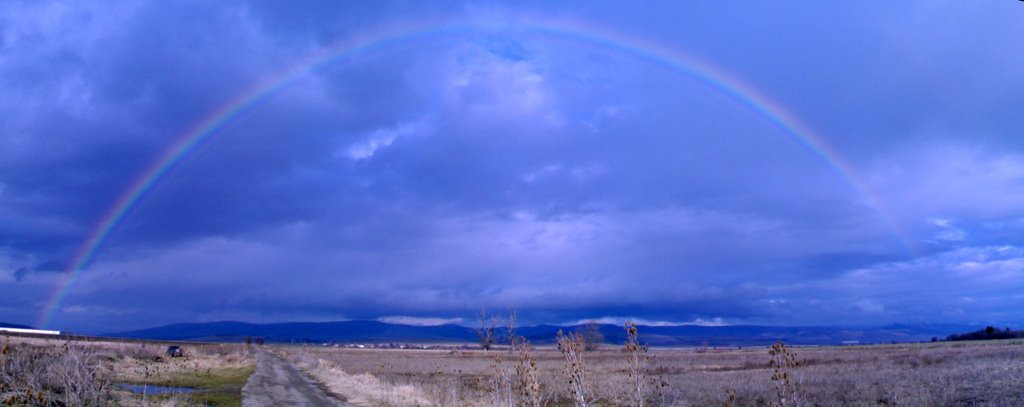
(592, 336)
(510, 326)
(486, 331)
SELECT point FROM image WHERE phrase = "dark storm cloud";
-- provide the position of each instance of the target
(438, 174)
(44, 267)
(94, 95)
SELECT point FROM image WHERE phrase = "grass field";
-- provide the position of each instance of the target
(933, 374)
(989, 373)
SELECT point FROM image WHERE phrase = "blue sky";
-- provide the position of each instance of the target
(557, 158)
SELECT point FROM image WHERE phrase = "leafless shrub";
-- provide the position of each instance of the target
(76, 379)
(22, 376)
(572, 347)
(38, 375)
(527, 382)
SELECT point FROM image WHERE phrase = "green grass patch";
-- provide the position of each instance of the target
(215, 387)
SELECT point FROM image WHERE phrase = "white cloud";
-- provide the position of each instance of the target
(948, 232)
(381, 138)
(419, 321)
(365, 149)
(647, 322)
(707, 322)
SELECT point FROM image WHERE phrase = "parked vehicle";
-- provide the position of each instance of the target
(175, 351)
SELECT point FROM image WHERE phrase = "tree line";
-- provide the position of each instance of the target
(988, 333)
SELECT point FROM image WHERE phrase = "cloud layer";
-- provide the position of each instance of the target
(487, 165)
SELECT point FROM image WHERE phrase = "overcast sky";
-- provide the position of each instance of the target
(575, 160)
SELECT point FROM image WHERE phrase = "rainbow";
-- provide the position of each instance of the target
(671, 59)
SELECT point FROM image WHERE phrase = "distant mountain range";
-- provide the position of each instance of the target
(7, 325)
(686, 335)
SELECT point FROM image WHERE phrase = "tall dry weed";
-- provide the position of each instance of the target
(527, 381)
(501, 385)
(782, 362)
(572, 346)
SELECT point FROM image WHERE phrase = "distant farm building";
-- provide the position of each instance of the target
(28, 331)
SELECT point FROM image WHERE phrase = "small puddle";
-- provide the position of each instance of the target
(154, 390)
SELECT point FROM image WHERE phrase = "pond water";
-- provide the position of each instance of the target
(154, 390)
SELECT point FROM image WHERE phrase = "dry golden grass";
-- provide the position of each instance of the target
(934, 374)
(361, 388)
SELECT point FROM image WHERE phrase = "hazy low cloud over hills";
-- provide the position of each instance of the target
(302, 331)
(691, 335)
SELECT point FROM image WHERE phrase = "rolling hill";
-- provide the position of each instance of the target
(7, 325)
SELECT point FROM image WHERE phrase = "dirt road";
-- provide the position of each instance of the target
(279, 383)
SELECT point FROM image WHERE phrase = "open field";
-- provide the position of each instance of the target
(54, 372)
(933, 374)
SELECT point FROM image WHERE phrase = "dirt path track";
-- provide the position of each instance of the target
(279, 383)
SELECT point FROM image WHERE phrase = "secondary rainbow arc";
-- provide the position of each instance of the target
(672, 59)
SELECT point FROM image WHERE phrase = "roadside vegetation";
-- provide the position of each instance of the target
(59, 372)
(44, 374)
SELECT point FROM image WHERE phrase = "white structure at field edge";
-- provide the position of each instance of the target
(29, 331)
